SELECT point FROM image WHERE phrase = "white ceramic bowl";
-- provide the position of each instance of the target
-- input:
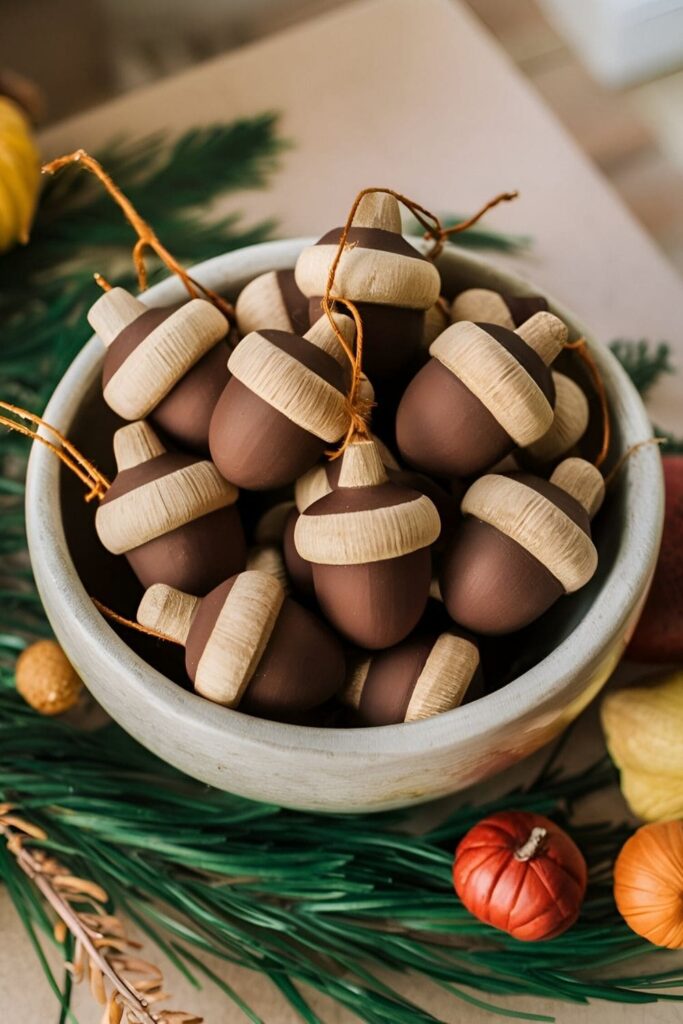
(347, 769)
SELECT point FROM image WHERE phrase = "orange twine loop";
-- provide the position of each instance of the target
(581, 348)
(147, 238)
(441, 233)
(123, 621)
(614, 472)
(85, 470)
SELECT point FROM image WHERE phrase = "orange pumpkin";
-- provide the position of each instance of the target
(648, 883)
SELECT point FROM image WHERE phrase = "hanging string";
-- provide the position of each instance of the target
(614, 472)
(83, 468)
(147, 238)
(581, 348)
(123, 621)
(444, 233)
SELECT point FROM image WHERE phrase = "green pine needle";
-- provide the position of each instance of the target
(645, 363)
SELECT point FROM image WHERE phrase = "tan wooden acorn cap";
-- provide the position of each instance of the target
(163, 357)
(536, 523)
(112, 312)
(437, 319)
(371, 275)
(323, 337)
(268, 558)
(260, 303)
(239, 637)
(497, 379)
(583, 481)
(161, 505)
(290, 387)
(441, 686)
(569, 423)
(314, 483)
(371, 535)
(481, 305)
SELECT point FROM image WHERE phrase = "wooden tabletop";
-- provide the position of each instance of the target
(411, 94)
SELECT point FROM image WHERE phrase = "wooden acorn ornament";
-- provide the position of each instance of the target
(485, 391)
(284, 404)
(248, 645)
(274, 301)
(171, 514)
(388, 280)
(568, 427)
(369, 541)
(167, 364)
(422, 676)
(524, 543)
(268, 558)
(437, 319)
(482, 305)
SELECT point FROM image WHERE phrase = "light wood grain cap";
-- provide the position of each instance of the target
(536, 524)
(436, 320)
(362, 465)
(583, 481)
(161, 359)
(378, 210)
(290, 387)
(370, 275)
(481, 305)
(268, 558)
(322, 336)
(112, 312)
(445, 677)
(260, 304)
(136, 443)
(371, 535)
(497, 379)
(239, 637)
(168, 610)
(353, 688)
(162, 505)
(310, 486)
(545, 334)
(569, 423)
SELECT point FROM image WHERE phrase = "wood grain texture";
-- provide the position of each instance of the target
(369, 275)
(545, 334)
(163, 357)
(437, 318)
(481, 305)
(113, 311)
(536, 524)
(583, 481)
(353, 688)
(239, 637)
(569, 422)
(260, 304)
(362, 466)
(162, 505)
(268, 558)
(322, 336)
(378, 210)
(312, 485)
(290, 387)
(168, 610)
(497, 379)
(443, 682)
(136, 443)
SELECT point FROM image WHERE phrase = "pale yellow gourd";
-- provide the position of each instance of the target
(19, 175)
(644, 732)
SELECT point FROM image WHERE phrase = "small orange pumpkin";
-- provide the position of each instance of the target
(648, 883)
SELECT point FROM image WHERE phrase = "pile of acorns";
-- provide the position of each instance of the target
(325, 598)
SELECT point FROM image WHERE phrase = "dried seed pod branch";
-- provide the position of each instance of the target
(102, 946)
(147, 238)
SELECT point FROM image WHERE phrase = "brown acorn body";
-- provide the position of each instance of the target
(444, 428)
(424, 675)
(191, 550)
(299, 570)
(250, 646)
(369, 544)
(168, 364)
(524, 543)
(253, 443)
(389, 281)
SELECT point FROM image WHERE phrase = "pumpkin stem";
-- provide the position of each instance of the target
(530, 848)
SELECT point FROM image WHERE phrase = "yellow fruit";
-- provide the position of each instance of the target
(643, 728)
(19, 175)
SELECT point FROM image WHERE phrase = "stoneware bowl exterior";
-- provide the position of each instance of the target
(353, 769)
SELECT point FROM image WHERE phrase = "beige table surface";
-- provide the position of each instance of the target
(415, 95)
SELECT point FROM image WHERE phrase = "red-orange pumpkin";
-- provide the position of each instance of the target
(521, 873)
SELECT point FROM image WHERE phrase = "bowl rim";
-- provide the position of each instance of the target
(613, 604)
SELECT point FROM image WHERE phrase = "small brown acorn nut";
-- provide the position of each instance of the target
(272, 301)
(422, 676)
(248, 645)
(568, 427)
(481, 305)
(369, 542)
(171, 514)
(46, 678)
(485, 391)
(524, 543)
(284, 404)
(168, 365)
(388, 280)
